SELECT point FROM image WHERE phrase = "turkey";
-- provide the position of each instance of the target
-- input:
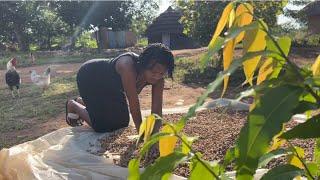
(13, 77)
(42, 80)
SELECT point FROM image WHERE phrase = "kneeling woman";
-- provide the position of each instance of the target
(104, 86)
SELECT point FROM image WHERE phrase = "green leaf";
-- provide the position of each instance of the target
(313, 169)
(285, 44)
(133, 167)
(212, 49)
(166, 176)
(266, 158)
(283, 172)
(308, 129)
(305, 106)
(216, 83)
(313, 81)
(189, 141)
(199, 170)
(316, 154)
(162, 166)
(229, 157)
(265, 121)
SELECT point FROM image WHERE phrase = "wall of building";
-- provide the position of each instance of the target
(116, 39)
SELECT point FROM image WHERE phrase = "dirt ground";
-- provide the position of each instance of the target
(175, 94)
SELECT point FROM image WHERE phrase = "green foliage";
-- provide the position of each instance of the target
(283, 172)
(264, 122)
(142, 42)
(55, 24)
(268, 10)
(299, 131)
(162, 166)
(199, 169)
(266, 158)
(86, 41)
(285, 90)
(195, 15)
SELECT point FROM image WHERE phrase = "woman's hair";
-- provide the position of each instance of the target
(157, 53)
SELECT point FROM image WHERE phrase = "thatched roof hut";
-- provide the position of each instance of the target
(167, 22)
(167, 29)
(312, 12)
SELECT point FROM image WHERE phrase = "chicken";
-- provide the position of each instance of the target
(12, 76)
(42, 80)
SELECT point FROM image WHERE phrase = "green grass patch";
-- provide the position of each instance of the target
(24, 59)
(15, 114)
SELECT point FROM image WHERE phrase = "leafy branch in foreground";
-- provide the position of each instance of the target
(281, 90)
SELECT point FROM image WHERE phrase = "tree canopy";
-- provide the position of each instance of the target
(42, 23)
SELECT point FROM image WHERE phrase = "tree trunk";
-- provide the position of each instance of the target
(49, 42)
(22, 40)
(98, 40)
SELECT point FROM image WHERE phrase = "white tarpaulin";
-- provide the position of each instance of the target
(67, 153)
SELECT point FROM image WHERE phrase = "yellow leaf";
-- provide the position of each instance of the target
(142, 127)
(265, 70)
(276, 141)
(258, 44)
(231, 17)
(227, 59)
(222, 22)
(243, 17)
(316, 67)
(146, 127)
(294, 160)
(167, 143)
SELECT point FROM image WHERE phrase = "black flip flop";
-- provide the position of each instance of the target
(72, 121)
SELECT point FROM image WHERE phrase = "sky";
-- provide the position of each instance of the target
(164, 4)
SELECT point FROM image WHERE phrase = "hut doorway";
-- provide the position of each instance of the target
(166, 39)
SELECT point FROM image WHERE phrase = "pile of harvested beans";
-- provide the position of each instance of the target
(217, 130)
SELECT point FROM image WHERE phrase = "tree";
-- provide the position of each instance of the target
(15, 20)
(47, 25)
(196, 14)
(80, 14)
(269, 10)
(296, 14)
(143, 12)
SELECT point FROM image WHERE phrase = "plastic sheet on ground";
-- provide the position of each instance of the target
(67, 153)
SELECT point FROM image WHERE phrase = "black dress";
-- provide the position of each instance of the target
(100, 87)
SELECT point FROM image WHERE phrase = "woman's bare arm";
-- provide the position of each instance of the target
(157, 99)
(125, 67)
(157, 93)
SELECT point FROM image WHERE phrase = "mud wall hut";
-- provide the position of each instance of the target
(167, 29)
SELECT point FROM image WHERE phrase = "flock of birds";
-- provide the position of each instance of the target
(13, 79)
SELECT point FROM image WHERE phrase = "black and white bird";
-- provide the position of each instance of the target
(12, 76)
